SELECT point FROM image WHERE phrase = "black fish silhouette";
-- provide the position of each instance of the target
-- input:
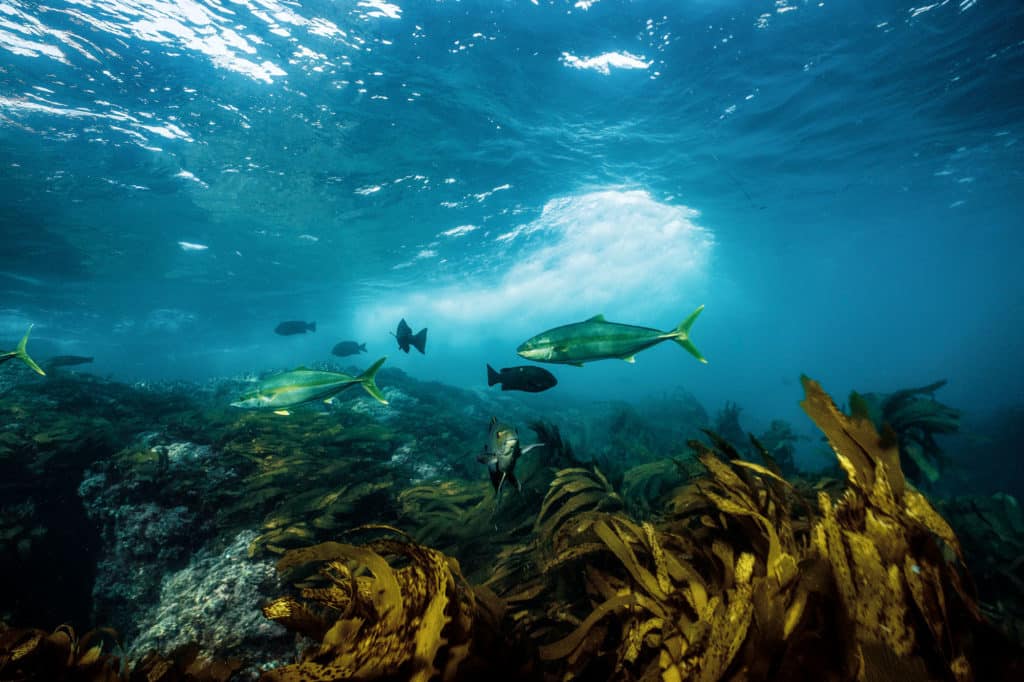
(406, 338)
(343, 348)
(523, 378)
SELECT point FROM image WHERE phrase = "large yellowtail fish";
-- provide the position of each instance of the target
(306, 385)
(599, 339)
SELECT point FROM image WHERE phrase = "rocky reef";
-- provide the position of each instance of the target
(360, 541)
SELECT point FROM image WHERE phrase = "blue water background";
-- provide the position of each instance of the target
(840, 183)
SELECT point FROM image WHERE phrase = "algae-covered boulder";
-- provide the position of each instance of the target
(214, 604)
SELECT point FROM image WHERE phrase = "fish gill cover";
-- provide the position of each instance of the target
(838, 185)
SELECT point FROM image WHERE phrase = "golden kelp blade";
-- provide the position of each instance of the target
(745, 575)
(386, 621)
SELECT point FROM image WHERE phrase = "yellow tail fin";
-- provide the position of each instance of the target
(23, 356)
(682, 335)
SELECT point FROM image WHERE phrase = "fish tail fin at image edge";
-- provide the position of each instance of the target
(681, 335)
(492, 376)
(366, 379)
(22, 354)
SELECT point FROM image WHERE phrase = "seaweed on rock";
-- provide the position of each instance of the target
(387, 609)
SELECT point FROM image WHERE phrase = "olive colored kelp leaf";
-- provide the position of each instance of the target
(901, 590)
(855, 442)
(729, 621)
(572, 491)
(645, 487)
(184, 664)
(912, 418)
(413, 621)
(29, 654)
(447, 514)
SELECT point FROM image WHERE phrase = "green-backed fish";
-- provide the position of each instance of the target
(20, 354)
(306, 385)
(599, 339)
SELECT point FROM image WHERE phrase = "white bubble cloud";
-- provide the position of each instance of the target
(617, 252)
(604, 63)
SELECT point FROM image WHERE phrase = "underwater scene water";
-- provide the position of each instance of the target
(511, 339)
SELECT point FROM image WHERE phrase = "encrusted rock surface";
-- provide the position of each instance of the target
(215, 602)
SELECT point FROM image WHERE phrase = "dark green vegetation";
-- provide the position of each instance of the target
(643, 544)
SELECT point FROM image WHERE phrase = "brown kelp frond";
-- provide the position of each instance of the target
(895, 560)
(446, 514)
(307, 498)
(574, 490)
(646, 487)
(540, 579)
(653, 612)
(28, 654)
(347, 492)
(746, 575)
(387, 609)
(855, 443)
(184, 664)
(914, 417)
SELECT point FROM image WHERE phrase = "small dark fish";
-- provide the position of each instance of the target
(501, 452)
(343, 348)
(406, 338)
(68, 360)
(294, 327)
(523, 378)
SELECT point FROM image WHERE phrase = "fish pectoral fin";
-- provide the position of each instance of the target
(282, 413)
(531, 447)
(630, 359)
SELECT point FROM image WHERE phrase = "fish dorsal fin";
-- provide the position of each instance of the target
(597, 318)
(301, 368)
(630, 359)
